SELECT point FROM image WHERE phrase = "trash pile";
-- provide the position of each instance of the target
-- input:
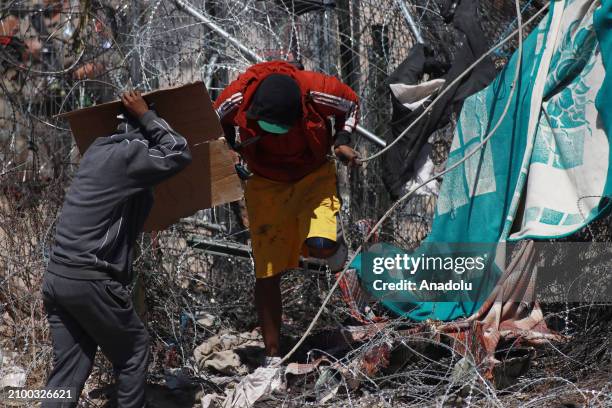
(398, 363)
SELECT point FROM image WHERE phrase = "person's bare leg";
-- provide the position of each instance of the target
(269, 311)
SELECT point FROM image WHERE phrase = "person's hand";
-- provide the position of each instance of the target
(88, 71)
(9, 26)
(134, 103)
(32, 50)
(347, 155)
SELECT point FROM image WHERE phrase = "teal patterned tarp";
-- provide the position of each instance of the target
(545, 173)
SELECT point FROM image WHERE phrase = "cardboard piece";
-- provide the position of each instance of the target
(209, 180)
(187, 108)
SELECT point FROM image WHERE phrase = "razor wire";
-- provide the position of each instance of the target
(157, 44)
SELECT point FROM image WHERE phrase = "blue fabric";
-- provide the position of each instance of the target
(320, 243)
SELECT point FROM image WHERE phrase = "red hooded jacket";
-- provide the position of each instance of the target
(291, 156)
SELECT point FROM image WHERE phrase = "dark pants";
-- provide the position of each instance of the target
(85, 314)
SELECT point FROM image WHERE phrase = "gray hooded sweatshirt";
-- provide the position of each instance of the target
(110, 197)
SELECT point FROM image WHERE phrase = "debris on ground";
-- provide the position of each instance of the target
(11, 374)
(223, 352)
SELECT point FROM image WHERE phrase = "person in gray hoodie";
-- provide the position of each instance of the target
(84, 287)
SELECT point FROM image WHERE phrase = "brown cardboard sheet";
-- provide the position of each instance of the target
(210, 179)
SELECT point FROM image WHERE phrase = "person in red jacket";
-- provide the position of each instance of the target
(284, 122)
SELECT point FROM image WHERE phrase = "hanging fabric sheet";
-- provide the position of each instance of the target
(410, 96)
(545, 173)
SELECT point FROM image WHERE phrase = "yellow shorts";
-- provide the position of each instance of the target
(283, 215)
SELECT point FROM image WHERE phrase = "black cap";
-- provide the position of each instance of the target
(277, 100)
